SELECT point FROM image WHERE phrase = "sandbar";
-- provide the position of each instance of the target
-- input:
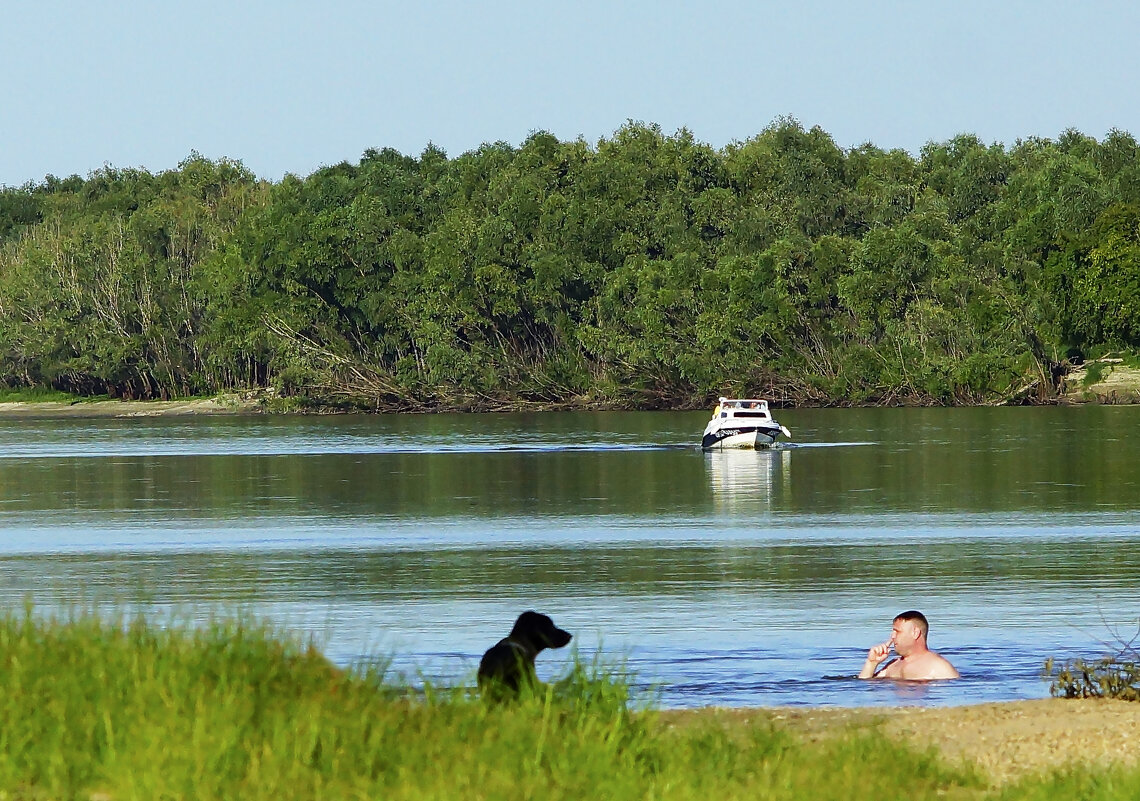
(1005, 741)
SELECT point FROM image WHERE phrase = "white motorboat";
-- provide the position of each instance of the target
(742, 423)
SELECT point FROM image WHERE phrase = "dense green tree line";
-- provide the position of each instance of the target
(646, 270)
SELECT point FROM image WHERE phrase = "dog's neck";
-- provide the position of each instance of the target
(523, 645)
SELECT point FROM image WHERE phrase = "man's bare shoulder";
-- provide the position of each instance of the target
(942, 669)
(928, 667)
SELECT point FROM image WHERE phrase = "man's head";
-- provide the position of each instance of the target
(908, 632)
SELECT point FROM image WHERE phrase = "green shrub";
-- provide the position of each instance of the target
(1108, 677)
(1094, 373)
(1113, 676)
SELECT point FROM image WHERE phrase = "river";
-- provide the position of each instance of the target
(737, 578)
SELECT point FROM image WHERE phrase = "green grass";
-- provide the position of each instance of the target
(35, 395)
(131, 709)
(43, 394)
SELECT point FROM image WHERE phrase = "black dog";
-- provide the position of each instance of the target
(509, 665)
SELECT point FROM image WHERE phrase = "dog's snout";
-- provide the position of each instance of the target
(560, 638)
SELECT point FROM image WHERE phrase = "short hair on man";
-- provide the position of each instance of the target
(914, 616)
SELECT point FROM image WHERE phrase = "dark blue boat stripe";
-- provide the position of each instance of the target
(711, 439)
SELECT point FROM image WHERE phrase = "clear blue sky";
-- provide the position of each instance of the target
(288, 86)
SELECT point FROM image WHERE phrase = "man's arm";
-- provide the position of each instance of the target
(875, 658)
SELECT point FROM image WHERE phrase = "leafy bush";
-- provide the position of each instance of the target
(1108, 677)
(1114, 676)
(1094, 372)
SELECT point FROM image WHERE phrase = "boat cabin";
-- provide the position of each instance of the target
(742, 407)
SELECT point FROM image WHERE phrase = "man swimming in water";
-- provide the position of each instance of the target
(915, 661)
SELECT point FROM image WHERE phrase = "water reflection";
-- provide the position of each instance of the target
(745, 480)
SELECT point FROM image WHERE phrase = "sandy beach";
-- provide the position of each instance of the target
(123, 408)
(1004, 741)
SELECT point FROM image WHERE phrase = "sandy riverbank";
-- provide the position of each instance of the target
(121, 408)
(1005, 741)
(1116, 383)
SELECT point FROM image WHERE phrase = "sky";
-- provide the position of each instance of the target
(289, 86)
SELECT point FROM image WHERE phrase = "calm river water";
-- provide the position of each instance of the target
(743, 578)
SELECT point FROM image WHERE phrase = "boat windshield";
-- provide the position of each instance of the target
(741, 407)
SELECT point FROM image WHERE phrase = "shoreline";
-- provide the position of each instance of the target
(1116, 394)
(1113, 383)
(1004, 741)
(121, 408)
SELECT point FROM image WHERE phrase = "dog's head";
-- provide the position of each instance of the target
(539, 631)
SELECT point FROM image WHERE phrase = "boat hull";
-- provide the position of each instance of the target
(740, 436)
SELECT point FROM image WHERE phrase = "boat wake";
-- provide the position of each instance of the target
(802, 445)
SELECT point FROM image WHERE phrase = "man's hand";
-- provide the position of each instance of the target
(874, 658)
(879, 652)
